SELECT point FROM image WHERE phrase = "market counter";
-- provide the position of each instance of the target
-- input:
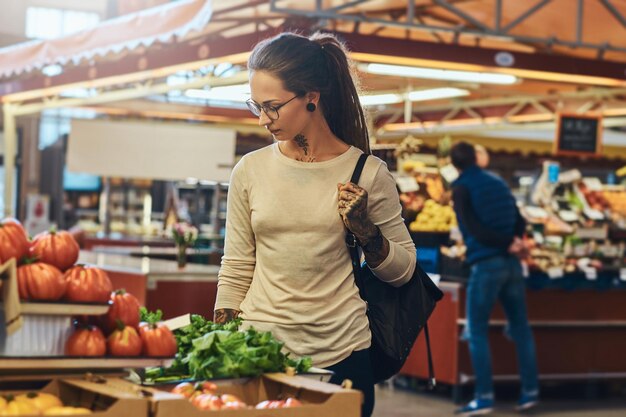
(579, 334)
(160, 284)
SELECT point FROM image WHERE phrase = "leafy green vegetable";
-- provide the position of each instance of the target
(209, 350)
(150, 316)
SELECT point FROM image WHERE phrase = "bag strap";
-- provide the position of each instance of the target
(351, 241)
(432, 382)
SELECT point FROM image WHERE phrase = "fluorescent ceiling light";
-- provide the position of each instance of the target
(437, 93)
(377, 99)
(419, 95)
(52, 70)
(439, 74)
(238, 93)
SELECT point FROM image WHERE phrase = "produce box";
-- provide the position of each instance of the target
(112, 397)
(319, 399)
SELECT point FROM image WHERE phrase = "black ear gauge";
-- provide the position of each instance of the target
(311, 107)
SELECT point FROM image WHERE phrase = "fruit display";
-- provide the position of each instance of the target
(434, 217)
(37, 403)
(40, 281)
(434, 187)
(616, 200)
(55, 248)
(595, 199)
(124, 308)
(158, 340)
(13, 240)
(124, 341)
(87, 284)
(205, 396)
(86, 341)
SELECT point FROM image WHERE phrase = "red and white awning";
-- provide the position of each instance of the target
(163, 24)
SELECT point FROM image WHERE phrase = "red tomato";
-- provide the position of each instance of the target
(39, 281)
(276, 404)
(158, 340)
(230, 398)
(87, 341)
(55, 248)
(87, 284)
(189, 390)
(186, 389)
(234, 405)
(13, 240)
(207, 402)
(291, 402)
(124, 342)
(125, 308)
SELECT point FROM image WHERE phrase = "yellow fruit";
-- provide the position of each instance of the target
(18, 408)
(66, 411)
(41, 400)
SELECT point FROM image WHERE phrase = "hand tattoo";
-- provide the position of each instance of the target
(353, 210)
(224, 315)
(304, 144)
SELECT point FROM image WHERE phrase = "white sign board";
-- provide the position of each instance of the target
(151, 150)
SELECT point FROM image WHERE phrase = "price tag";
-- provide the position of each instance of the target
(591, 274)
(572, 175)
(622, 274)
(407, 184)
(593, 184)
(449, 173)
(555, 272)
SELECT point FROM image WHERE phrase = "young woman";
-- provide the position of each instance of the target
(286, 268)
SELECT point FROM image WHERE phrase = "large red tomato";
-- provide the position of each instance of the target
(158, 340)
(87, 284)
(39, 281)
(124, 342)
(55, 248)
(13, 240)
(87, 341)
(125, 308)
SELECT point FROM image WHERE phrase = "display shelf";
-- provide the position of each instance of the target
(13, 363)
(64, 309)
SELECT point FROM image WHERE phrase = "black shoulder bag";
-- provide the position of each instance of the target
(396, 315)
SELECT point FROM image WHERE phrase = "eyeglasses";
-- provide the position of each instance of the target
(270, 111)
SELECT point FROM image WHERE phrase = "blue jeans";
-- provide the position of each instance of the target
(499, 278)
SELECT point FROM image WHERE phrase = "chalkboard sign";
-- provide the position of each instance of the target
(579, 135)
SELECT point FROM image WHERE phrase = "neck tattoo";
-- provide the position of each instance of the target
(304, 144)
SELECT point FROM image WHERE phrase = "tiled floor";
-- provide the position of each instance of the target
(404, 403)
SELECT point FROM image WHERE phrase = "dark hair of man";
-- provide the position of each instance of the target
(463, 155)
(317, 63)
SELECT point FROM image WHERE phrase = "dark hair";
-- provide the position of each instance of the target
(317, 63)
(463, 155)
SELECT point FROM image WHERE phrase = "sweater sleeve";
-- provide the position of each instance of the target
(238, 262)
(385, 211)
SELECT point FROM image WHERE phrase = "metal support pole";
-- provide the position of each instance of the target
(10, 148)
(525, 15)
(498, 17)
(579, 21)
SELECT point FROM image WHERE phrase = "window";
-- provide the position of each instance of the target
(48, 23)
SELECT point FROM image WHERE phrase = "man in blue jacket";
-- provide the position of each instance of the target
(492, 227)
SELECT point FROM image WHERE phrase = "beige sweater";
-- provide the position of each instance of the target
(285, 264)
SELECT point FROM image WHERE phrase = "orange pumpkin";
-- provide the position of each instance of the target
(86, 341)
(87, 284)
(55, 248)
(40, 281)
(13, 240)
(125, 308)
(158, 340)
(124, 342)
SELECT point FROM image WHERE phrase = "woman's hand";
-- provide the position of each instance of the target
(352, 205)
